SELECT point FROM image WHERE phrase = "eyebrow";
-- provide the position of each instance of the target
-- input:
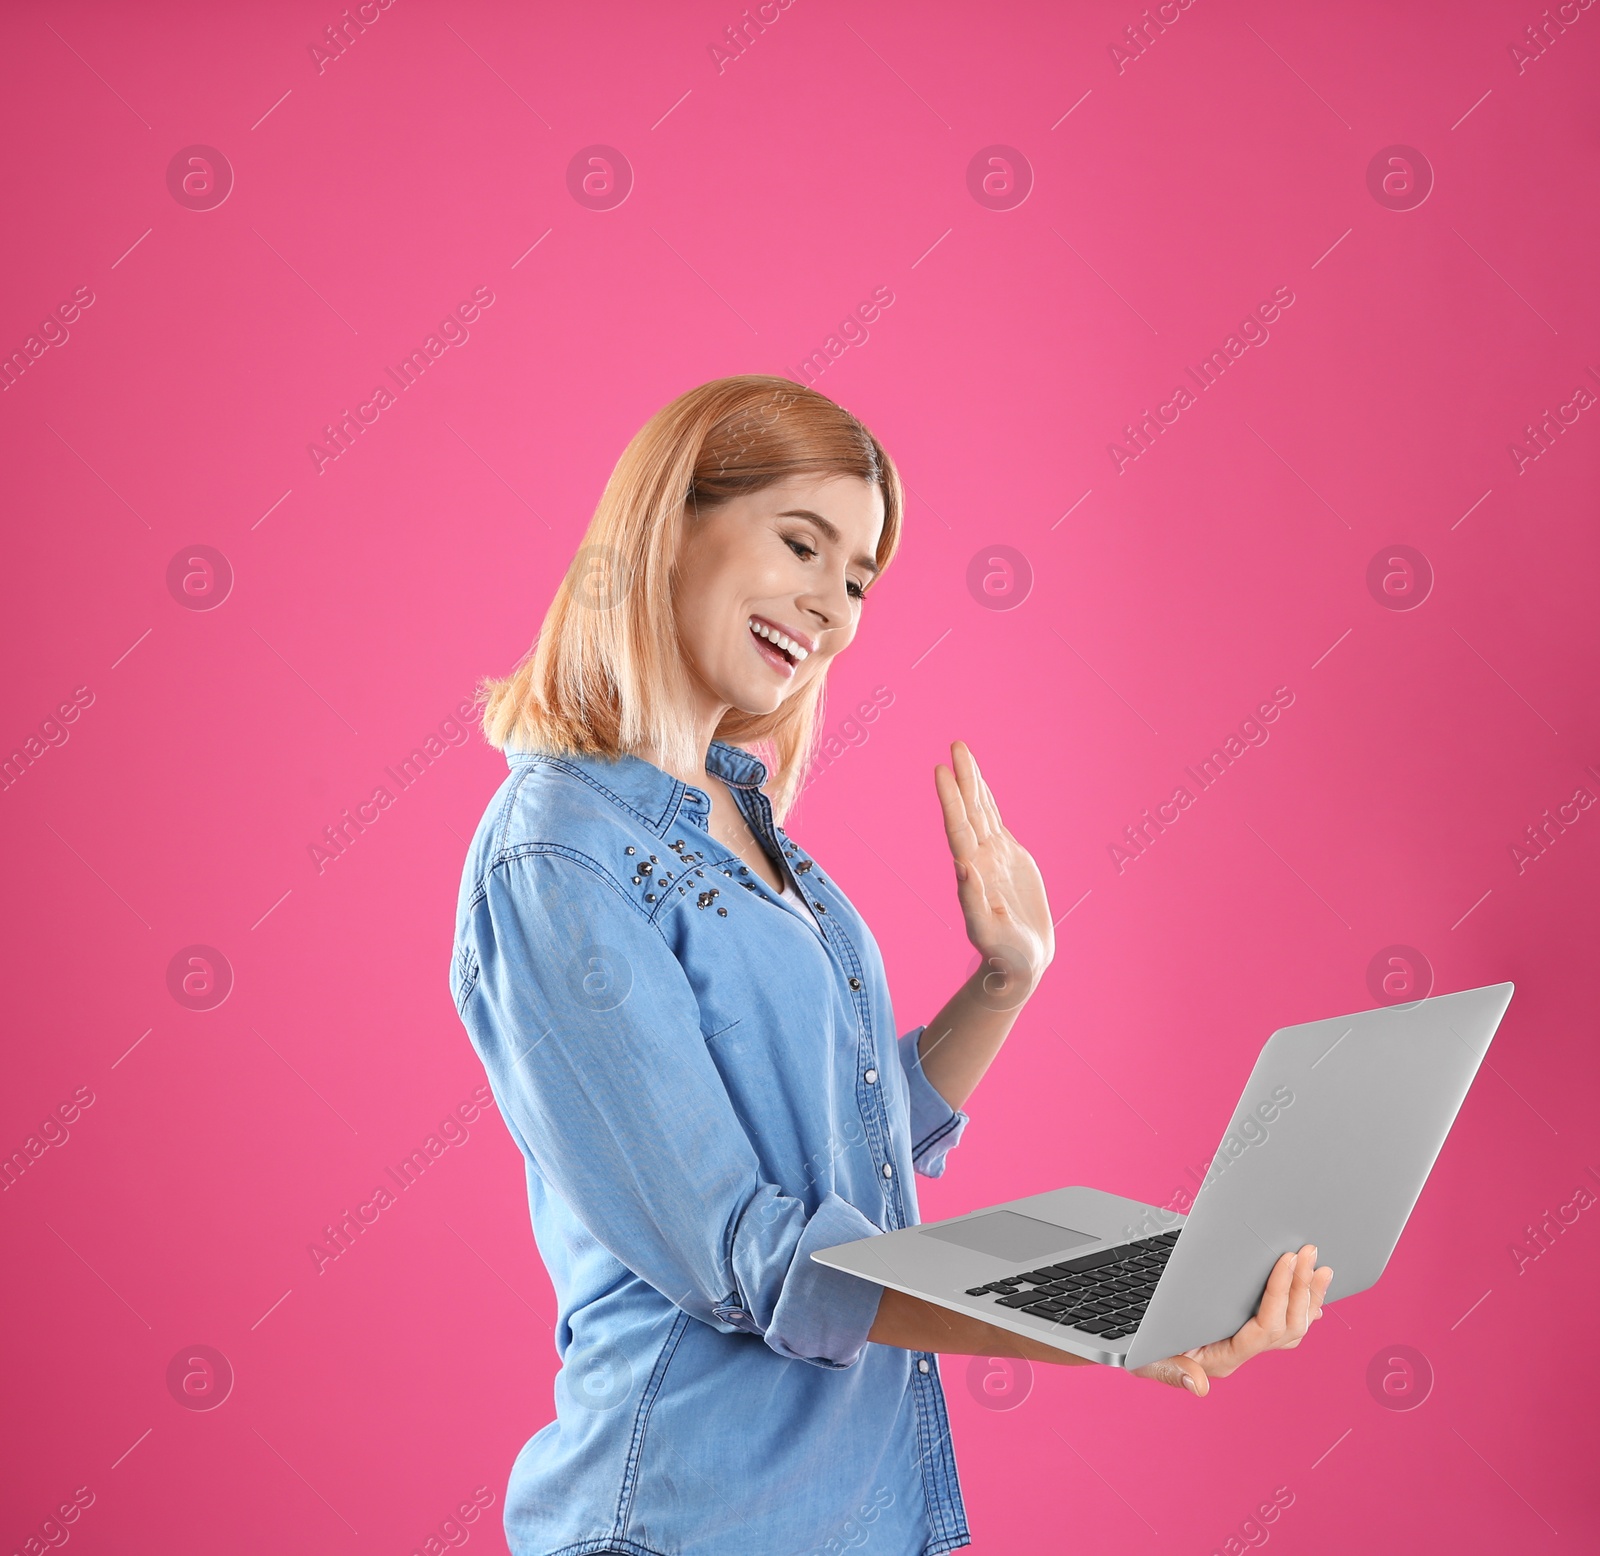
(831, 531)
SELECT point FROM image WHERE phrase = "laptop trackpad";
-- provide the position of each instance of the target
(1007, 1235)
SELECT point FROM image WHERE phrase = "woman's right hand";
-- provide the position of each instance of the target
(1291, 1303)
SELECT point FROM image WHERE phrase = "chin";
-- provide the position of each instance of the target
(756, 700)
(760, 706)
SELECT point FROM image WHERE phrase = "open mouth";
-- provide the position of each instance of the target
(777, 647)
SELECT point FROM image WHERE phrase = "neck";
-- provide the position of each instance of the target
(704, 717)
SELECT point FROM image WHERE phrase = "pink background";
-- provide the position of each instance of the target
(1163, 604)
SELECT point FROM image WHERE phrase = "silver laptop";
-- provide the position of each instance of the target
(1331, 1144)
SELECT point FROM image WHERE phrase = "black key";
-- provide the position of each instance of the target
(1018, 1299)
(1114, 1334)
(1094, 1325)
(1044, 1309)
(977, 1291)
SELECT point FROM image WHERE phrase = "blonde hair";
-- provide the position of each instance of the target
(603, 676)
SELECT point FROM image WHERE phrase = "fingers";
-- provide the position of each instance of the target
(958, 826)
(1320, 1281)
(1287, 1304)
(985, 795)
(1273, 1312)
(1179, 1372)
(1297, 1316)
(966, 771)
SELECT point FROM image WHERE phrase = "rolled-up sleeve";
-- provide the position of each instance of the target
(936, 1127)
(590, 1033)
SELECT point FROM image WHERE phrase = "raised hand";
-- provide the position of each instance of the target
(1289, 1306)
(999, 886)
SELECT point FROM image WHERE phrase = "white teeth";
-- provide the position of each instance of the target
(783, 641)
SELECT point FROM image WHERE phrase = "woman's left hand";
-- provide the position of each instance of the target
(999, 886)
(1290, 1305)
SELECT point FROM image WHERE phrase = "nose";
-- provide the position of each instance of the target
(828, 608)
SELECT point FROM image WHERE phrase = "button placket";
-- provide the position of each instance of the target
(879, 1139)
(786, 851)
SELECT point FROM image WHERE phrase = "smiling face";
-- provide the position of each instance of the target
(769, 587)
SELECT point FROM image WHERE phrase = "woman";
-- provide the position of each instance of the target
(688, 1027)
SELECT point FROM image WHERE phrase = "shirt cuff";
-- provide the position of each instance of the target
(936, 1127)
(823, 1314)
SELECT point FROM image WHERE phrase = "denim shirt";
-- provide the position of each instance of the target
(706, 1084)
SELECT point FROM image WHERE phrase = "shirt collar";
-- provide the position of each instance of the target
(647, 790)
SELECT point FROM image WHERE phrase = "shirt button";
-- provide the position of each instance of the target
(871, 1077)
(888, 1169)
(922, 1364)
(855, 983)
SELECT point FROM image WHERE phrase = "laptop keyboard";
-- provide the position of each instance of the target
(1102, 1293)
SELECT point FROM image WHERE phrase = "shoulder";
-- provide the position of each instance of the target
(551, 810)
